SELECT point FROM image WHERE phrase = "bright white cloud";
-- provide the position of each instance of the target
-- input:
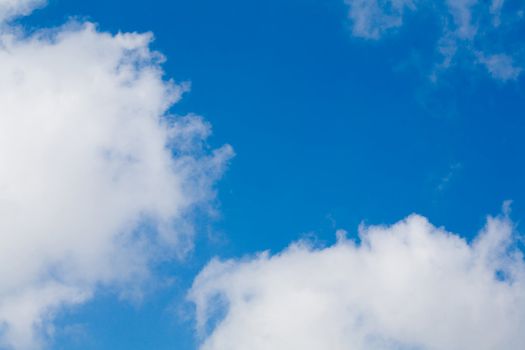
(406, 286)
(97, 182)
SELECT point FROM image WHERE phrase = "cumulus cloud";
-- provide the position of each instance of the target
(97, 181)
(468, 27)
(406, 286)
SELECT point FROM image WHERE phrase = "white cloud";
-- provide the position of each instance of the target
(14, 8)
(406, 286)
(96, 182)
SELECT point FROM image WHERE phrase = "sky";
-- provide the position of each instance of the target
(286, 174)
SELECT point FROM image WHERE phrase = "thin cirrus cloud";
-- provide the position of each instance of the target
(406, 286)
(486, 33)
(98, 182)
(373, 18)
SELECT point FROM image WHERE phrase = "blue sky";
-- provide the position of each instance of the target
(330, 124)
(330, 129)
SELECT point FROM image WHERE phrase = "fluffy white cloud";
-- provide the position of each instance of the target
(468, 27)
(406, 286)
(97, 181)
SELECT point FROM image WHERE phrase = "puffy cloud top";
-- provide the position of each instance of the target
(407, 286)
(97, 180)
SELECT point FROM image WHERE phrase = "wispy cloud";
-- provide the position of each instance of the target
(10, 9)
(471, 31)
(373, 18)
(445, 180)
(500, 66)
